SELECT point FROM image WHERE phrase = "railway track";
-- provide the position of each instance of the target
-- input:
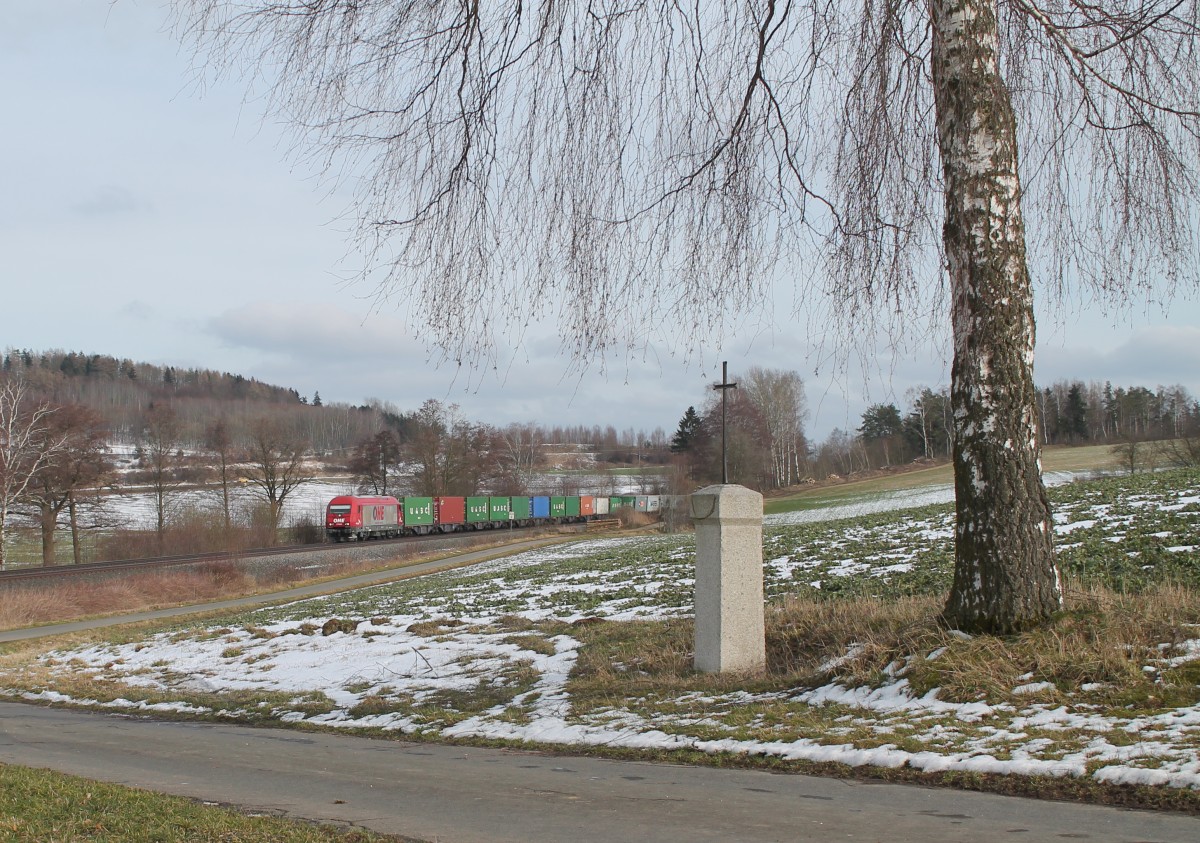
(165, 562)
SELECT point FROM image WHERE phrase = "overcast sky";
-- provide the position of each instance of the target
(144, 217)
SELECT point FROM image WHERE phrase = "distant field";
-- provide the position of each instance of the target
(1058, 458)
(1082, 458)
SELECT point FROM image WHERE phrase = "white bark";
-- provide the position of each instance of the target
(1005, 575)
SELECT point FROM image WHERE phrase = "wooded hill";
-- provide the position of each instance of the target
(122, 391)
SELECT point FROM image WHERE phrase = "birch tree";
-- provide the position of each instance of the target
(779, 396)
(518, 448)
(626, 166)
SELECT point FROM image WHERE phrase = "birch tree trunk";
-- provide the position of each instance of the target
(1005, 576)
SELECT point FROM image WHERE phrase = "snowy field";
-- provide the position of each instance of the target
(487, 653)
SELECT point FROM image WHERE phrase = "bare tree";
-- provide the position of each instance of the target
(663, 161)
(277, 465)
(424, 448)
(376, 463)
(162, 460)
(748, 444)
(518, 450)
(80, 466)
(1184, 450)
(1133, 452)
(27, 446)
(450, 454)
(219, 442)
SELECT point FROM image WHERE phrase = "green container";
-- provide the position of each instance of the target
(616, 503)
(572, 506)
(477, 510)
(499, 508)
(521, 508)
(418, 512)
(558, 507)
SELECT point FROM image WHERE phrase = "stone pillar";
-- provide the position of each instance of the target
(730, 628)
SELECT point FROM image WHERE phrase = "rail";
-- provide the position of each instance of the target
(150, 563)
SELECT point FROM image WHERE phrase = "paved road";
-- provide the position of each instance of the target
(469, 795)
(454, 560)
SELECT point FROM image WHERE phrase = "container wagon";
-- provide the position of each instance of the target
(418, 516)
(449, 514)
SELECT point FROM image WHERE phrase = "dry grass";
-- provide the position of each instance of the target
(1099, 646)
(631, 518)
(62, 601)
(1097, 649)
(65, 601)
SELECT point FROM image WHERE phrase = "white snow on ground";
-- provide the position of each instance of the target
(396, 672)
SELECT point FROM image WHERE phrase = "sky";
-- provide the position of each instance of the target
(154, 217)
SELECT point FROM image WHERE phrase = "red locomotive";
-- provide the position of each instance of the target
(348, 518)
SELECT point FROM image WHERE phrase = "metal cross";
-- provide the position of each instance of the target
(724, 386)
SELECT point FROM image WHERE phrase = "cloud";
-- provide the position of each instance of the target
(109, 200)
(139, 310)
(311, 329)
(1150, 356)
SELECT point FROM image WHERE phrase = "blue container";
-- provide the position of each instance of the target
(541, 507)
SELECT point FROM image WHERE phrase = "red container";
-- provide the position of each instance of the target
(587, 505)
(449, 512)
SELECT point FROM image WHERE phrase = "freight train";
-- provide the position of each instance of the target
(356, 518)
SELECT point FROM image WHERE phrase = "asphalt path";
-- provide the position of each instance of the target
(455, 794)
(454, 560)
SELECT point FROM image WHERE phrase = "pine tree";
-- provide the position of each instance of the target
(688, 425)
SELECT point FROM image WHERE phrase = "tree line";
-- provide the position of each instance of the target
(1072, 412)
(767, 447)
(61, 412)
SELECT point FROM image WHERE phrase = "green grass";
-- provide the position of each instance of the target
(39, 806)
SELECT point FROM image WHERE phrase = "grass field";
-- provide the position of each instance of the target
(588, 647)
(1056, 459)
